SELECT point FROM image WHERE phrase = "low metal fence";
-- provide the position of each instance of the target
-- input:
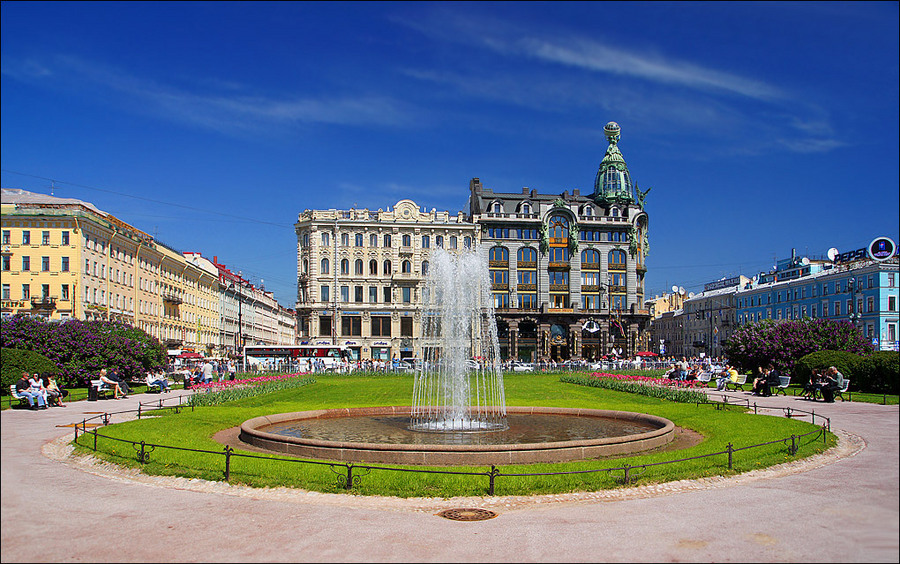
(349, 473)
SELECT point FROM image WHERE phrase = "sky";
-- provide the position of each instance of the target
(760, 128)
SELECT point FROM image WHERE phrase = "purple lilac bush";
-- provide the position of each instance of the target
(783, 342)
(81, 348)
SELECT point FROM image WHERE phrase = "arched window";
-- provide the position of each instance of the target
(499, 255)
(407, 241)
(306, 239)
(439, 241)
(406, 267)
(453, 241)
(359, 240)
(426, 241)
(559, 229)
(387, 240)
(373, 240)
(467, 242)
(497, 207)
(588, 211)
(373, 267)
(614, 212)
(527, 254)
(326, 239)
(424, 267)
(617, 258)
(358, 267)
(345, 267)
(387, 267)
(324, 268)
(305, 267)
(526, 208)
(345, 239)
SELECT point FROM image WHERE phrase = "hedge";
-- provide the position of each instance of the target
(878, 372)
(15, 361)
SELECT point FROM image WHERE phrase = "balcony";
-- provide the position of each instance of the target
(558, 265)
(527, 287)
(172, 299)
(526, 264)
(498, 264)
(559, 287)
(616, 266)
(500, 286)
(406, 250)
(46, 303)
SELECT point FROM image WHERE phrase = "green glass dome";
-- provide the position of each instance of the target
(613, 182)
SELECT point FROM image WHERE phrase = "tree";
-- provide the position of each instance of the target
(81, 348)
(784, 342)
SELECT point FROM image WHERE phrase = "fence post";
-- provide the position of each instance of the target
(142, 452)
(754, 408)
(793, 450)
(95, 439)
(813, 416)
(627, 479)
(349, 484)
(139, 410)
(491, 477)
(730, 455)
(227, 463)
(824, 437)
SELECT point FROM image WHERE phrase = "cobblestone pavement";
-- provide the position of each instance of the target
(838, 506)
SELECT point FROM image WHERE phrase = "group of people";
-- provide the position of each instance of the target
(766, 379)
(41, 390)
(825, 383)
(115, 382)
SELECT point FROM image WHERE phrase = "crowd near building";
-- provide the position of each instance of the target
(567, 270)
(860, 286)
(63, 258)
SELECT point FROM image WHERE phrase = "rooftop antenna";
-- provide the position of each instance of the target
(52, 186)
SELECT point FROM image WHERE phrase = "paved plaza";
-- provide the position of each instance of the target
(839, 506)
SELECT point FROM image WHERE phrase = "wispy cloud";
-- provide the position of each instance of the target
(227, 108)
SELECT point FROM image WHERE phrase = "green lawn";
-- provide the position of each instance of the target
(194, 430)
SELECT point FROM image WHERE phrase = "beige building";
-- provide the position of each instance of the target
(63, 258)
(361, 273)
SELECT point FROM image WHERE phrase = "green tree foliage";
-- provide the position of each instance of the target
(783, 342)
(878, 372)
(81, 348)
(15, 361)
(848, 363)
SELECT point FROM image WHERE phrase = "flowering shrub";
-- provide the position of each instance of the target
(786, 341)
(81, 348)
(215, 393)
(661, 388)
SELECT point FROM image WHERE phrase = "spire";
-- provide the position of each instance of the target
(613, 182)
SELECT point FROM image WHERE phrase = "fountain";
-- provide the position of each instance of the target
(458, 414)
(459, 384)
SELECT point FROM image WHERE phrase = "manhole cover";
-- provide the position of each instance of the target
(467, 514)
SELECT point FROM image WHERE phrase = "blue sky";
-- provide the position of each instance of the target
(760, 127)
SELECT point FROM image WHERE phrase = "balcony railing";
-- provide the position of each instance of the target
(526, 264)
(172, 299)
(559, 287)
(527, 287)
(498, 264)
(617, 266)
(43, 303)
(504, 286)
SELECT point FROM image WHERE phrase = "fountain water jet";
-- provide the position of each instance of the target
(459, 385)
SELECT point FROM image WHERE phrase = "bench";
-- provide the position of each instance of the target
(705, 377)
(23, 400)
(844, 388)
(102, 388)
(739, 383)
(783, 383)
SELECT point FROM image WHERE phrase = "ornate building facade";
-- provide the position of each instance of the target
(360, 275)
(567, 270)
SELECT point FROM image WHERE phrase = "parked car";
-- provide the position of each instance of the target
(522, 367)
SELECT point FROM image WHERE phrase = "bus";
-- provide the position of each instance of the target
(295, 358)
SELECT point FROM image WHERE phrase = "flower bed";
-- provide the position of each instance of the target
(662, 388)
(215, 393)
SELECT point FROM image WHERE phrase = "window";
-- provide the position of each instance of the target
(387, 294)
(501, 301)
(387, 267)
(64, 292)
(467, 242)
(407, 241)
(326, 239)
(870, 304)
(373, 267)
(351, 325)
(45, 237)
(325, 325)
(5, 293)
(497, 208)
(373, 240)
(407, 294)
(26, 237)
(837, 309)
(26, 291)
(358, 240)
(358, 294)
(387, 240)
(616, 258)
(406, 326)
(426, 241)
(26, 263)
(453, 242)
(358, 267)
(559, 255)
(345, 267)
(526, 208)
(381, 326)
(45, 291)
(892, 303)
(345, 239)
(373, 294)
(325, 267)
(406, 267)
(323, 292)
(45, 264)
(345, 294)
(424, 268)
(6, 237)
(439, 241)
(528, 254)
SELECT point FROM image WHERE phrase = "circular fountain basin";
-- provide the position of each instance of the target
(546, 437)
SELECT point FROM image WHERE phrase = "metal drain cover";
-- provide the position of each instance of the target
(467, 514)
